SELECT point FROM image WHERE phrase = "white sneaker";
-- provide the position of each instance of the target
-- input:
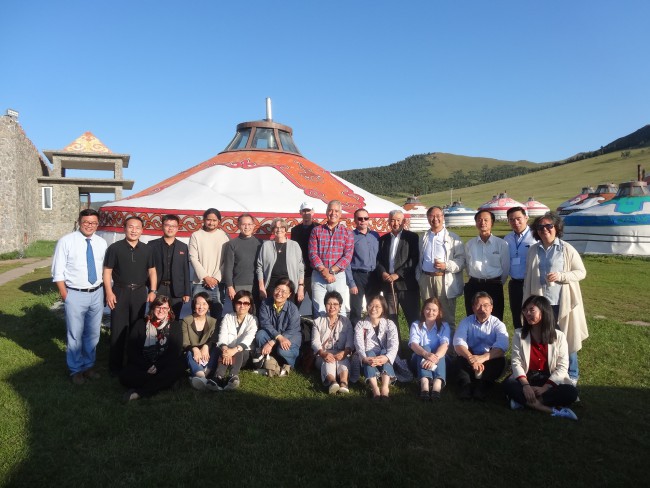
(334, 387)
(566, 413)
(261, 372)
(198, 383)
(344, 390)
(285, 370)
(515, 405)
(213, 385)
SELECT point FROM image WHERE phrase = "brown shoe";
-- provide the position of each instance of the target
(78, 379)
(91, 374)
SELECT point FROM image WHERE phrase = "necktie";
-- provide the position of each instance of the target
(90, 261)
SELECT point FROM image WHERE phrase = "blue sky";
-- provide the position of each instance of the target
(362, 83)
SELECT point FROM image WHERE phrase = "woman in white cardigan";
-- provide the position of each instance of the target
(540, 360)
(554, 270)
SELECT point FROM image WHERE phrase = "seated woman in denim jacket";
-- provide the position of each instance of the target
(376, 342)
(429, 340)
(540, 361)
(199, 336)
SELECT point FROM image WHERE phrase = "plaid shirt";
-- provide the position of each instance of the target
(331, 247)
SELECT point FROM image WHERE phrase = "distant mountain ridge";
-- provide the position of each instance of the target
(432, 172)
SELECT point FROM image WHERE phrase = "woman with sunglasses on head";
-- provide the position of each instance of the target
(280, 258)
(154, 352)
(554, 270)
(235, 338)
(199, 334)
(540, 361)
(332, 340)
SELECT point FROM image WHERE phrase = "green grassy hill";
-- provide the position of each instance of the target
(551, 185)
(425, 173)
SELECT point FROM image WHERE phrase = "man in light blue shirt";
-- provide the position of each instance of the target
(360, 274)
(481, 342)
(77, 272)
(519, 240)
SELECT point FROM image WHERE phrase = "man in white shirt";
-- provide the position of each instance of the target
(488, 264)
(77, 273)
(440, 268)
(519, 240)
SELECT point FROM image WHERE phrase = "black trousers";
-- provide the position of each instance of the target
(494, 288)
(175, 303)
(129, 308)
(146, 384)
(516, 296)
(238, 361)
(409, 300)
(493, 369)
(368, 287)
(558, 396)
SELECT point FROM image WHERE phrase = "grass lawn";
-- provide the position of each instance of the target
(288, 432)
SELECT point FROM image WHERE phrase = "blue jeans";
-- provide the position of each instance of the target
(216, 306)
(83, 317)
(574, 372)
(196, 367)
(289, 357)
(375, 371)
(440, 372)
(319, 287)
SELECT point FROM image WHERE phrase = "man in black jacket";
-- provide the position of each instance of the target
(172, 261)
(396, 263)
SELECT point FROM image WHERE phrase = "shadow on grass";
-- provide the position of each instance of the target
(37, 287)
(288, 432)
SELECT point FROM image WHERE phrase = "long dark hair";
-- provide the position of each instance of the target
(547, 324)
(435, 301)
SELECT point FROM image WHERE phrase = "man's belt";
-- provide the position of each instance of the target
(485, 280)
(85, 290)
(130, 286)
(166, 282)
(434, 273)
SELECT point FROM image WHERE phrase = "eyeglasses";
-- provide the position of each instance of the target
(171, 226)
(91, 224)
(548, 227)
(243, 304)
(279, 291)
(163, 309)
(363, 219)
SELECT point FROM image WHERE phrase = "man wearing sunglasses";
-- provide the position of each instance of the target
(361, 272)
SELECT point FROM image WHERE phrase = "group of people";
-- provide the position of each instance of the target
(266, 281)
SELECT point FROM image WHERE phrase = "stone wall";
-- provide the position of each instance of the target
(61, 220)
(20, 195)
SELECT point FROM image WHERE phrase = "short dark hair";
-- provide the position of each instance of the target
(133, 217)
(88, 212)
(212, 211)
(555, 218)
(201, 294)
(173, 217)
(484, 211)
(335, 295)
(242, 216)
(247, 294)
(286, 282)
(481, 294)
(384, 305)
(512, 210)
(432, 208)
(362, 209)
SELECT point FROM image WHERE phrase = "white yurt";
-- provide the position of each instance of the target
(584, 193)
(261, 172)
(535, 208)
(603, 193)
(618, 226)
(418, 213)
(499, 205)
(457, 215)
